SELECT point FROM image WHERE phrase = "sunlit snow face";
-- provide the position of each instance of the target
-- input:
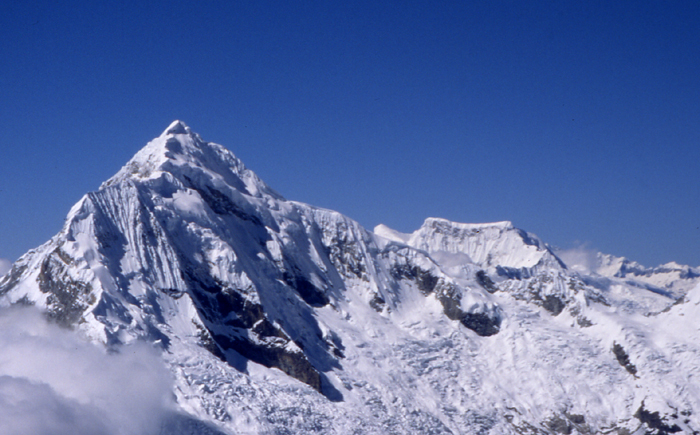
(51, 382)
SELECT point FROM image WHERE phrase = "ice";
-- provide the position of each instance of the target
(275, 316)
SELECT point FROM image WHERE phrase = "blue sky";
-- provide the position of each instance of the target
(577, 121)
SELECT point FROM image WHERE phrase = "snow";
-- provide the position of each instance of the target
(383, 231)
(497, 243)
(176, 127)
(184, 224)
(672, 278)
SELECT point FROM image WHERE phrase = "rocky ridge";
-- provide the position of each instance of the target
(275, 315)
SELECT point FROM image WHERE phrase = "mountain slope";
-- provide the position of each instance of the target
(279, 317)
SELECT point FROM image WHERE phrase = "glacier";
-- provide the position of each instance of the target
(277, 317)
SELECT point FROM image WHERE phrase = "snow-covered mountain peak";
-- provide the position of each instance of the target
(177, 127)
(275, 316)
(496, 244)
(670, 277)
(391, 234)
(181, 154)
(432, 222)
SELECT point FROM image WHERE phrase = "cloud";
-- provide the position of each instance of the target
(34, 408)
(52, 382)
(581, 258)
(5, 266)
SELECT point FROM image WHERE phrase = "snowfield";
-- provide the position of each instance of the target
(277, 317)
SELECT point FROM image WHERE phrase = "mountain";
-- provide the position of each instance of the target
(277, 317)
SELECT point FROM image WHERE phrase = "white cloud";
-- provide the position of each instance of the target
(5, 266)
(27, 407)
(51, 382)
(581, 259)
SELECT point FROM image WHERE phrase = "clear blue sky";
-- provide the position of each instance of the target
(577, 121)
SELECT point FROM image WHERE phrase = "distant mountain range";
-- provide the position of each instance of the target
(277, 317)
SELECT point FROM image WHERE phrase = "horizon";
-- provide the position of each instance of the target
(578, 123)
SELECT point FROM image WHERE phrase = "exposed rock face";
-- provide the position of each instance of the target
(624, 359)
(279, 317)
(655, 423)
(185, 224)
(66, 299)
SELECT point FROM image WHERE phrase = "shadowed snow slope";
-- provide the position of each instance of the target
(278, 317)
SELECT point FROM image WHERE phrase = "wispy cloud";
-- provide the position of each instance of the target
(5, 266)
(52, 382)
(581, 258)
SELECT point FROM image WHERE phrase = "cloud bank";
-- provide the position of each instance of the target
(52, 383)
